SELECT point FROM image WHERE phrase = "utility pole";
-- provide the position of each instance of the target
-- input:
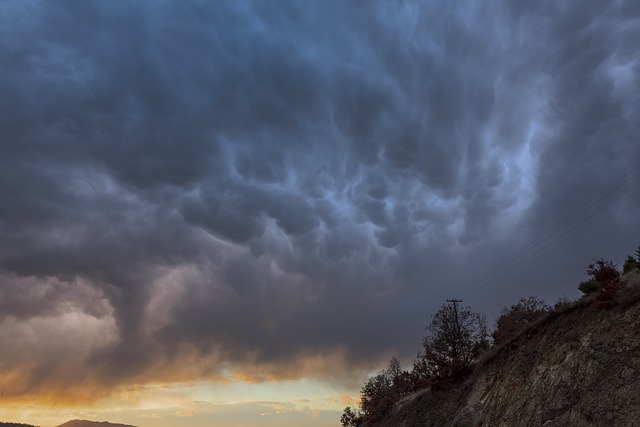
(457, 334)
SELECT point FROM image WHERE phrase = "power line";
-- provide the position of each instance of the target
(538, 250)
(559, 229)
(600, 201)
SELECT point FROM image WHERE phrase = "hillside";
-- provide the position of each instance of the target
(580, 366)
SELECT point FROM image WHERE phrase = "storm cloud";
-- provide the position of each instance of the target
(285, 189)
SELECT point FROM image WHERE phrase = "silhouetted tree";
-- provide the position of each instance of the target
(421, 375)
(350, 418)
(400, 379)
(375, 398)
(516, 317)
(383, 390)
(456, 338)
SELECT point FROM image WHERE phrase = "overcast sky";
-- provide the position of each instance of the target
(272, 191)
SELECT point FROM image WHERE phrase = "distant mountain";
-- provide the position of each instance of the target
(74, 423)
(85, 423)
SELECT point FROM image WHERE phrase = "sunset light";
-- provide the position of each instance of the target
(244, 213)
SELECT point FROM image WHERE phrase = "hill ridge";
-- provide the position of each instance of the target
(88, 423)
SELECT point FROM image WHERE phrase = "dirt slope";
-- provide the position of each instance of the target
(577, 368)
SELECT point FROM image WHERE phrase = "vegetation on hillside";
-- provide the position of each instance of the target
(519, 315)
(458, 339)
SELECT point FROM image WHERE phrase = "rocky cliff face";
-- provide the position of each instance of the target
(577, 368)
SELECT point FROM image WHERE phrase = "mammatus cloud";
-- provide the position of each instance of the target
(277, 190)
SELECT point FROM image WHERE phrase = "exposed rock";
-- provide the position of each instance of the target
(577, 368)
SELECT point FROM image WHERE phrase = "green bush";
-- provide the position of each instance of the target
(630, 264)
(589, 286)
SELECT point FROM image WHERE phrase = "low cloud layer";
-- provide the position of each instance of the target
(281, 189)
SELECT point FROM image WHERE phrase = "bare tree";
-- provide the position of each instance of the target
(516, 317)
(456, 338)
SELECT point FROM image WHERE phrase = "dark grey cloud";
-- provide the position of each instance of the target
(255, 183)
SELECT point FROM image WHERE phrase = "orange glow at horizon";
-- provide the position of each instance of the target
(203, 403)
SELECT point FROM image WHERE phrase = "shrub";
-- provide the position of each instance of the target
(604, 297)
(562, 304)
(630, 264)
(518, 316)
(606, 273)
(603, 271)
(589, 286)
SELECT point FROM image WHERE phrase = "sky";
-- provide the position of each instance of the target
(230, 213)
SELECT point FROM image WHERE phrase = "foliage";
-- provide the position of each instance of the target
(401, 381)
(604, 297)
(375, 399)
(518, 316)
(606, 273)
(589, 286)
(350, 418)
(630, 264)
(421, 373)
(383, 390)
(561, 304)
(484, 342)
(456, 338)
(603, 271)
